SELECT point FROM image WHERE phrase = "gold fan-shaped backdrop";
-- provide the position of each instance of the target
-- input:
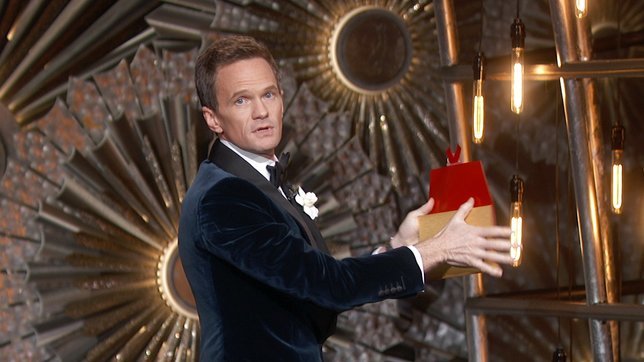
(97, 184)
(91, 183)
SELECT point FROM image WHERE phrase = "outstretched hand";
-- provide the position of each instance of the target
(408, 231)
(464, 245)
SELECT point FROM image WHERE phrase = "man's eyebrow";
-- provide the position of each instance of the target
(240, 92)
(271, 88)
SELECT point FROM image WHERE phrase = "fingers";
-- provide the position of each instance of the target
(424, 209)
(427, 207)
(491, 269)
(486, 255)
(486, 262)
(495, 232)
(489, 262)
(497, 244)
(501, 258)
(495, 252)
(464, 210)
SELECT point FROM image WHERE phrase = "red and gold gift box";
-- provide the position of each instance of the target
(451, 186)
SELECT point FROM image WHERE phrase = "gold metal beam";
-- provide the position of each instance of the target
(605, 68)
(553, 308)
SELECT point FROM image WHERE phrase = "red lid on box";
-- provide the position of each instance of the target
(452, 185)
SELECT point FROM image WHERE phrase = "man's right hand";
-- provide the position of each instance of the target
(463, 245)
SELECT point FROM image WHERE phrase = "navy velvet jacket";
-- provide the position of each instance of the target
(264, 289)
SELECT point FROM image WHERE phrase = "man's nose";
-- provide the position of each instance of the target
(260, 110)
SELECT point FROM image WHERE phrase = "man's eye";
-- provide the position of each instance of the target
(239, 101)
(269, 95)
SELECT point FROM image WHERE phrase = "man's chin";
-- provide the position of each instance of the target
(267, 140)
(266, 147)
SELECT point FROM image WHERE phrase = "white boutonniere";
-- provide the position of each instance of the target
(307, 200)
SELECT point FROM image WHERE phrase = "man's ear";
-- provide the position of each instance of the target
(211, 120)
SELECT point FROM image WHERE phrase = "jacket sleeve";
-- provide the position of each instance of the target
(241, 225)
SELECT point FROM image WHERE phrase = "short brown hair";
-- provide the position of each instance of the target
(224, 51)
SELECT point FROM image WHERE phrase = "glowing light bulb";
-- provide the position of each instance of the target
(516, 221)
(517, 31)
(617, 188)
(517, 81)
(617, 151)
(516, 224)
(478, 114)
(581, 8)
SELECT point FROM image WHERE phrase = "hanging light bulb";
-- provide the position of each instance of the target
(581, 7)
(559, 355)
(617, 149)
(516, 222)
(478, 120)
(517, 31)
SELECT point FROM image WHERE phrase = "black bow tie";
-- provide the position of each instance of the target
(278, 171)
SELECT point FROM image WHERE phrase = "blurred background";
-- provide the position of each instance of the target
(101, 134)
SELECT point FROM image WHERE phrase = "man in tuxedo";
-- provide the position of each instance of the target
(264, 284)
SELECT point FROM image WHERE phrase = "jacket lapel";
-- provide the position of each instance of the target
(230, 162)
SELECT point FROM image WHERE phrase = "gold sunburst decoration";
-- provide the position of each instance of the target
(172, 283)
(370, 50)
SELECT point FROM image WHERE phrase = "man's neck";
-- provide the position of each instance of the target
(246, 154)
(258, 162)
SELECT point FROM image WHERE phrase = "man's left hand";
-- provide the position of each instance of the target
(408, 231)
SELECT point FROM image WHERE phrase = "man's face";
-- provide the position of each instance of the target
(250, 106)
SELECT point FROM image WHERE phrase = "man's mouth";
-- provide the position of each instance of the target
(263, 129)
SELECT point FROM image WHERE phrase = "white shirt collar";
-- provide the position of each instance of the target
(258, 162)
